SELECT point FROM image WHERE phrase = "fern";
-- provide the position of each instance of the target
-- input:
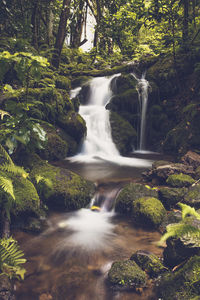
(186, 230)
(13, 169)
(11, 258)
(7, 186)
(5, 155)
(40, 178)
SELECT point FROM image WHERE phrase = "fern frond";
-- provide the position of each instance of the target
(4, 113)
(11, 257)
(40, 178)
(7, 186)
(13, 169)
(188, 210)
(5, 155)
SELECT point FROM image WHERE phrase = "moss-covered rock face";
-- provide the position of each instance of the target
(149, 263)
(122, 83)
(183, 284)
(62, 82)
(123, 134)
(180, 180)
(128, 101)
(127, 274)
(148, 211)
(192, 197)
(170, 196)
(61, 188)
(73, 124)
(129, 194)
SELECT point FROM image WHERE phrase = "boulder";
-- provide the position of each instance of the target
(192, 159)
(127, 101)
(192, 197)
(6, 288)
(129, 194)
(171, 196)
(183, 283)
(60, 188)
(148, 211)
(180, 180)
(149, 263)
(123, 134)
(127, 275)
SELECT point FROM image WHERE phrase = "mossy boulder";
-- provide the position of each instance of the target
(122, 83)
(171, 196)
(62, 82)
(73, 124)
(123, 134)
(149, 263)
(148, 211)
(129, 194)
(127, 274)
(192, 197)
(180, 180)
(127, 101)
(61, 188)
(183, 284)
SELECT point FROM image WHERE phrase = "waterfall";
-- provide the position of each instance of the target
(98, 145)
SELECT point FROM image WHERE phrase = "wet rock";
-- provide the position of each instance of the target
(176, 252)
(123, 134)
(171, 196)
(129, 194)
(180, 180)
(148, 211)
(127, 275)
(122, 83)
(192, 159)
(192, 197)
(149, 263)
(61, 188)
(160, 172)
(183, 284)
(6, 289)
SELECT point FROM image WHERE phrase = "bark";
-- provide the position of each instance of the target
(49, 23)
(185, 21)
(61, 34)
(77, 30)
(34, 22)
(5, 225)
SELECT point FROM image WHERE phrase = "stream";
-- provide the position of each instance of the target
(71, 258)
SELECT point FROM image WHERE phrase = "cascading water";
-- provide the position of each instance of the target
(98, 144)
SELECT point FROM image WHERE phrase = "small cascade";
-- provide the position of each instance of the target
(142, 88)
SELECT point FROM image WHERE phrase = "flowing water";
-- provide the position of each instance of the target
(71, 258)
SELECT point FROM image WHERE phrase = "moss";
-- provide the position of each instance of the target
(123, 83)
(192, 197)
(170, 196)
(148, 211)
(149, 263)
(127, 101)
(62, 82)
(129, 194)
(64, 189)
(127, 274)
(73, 124)
(184, 283)
(180, 180)
(123, 134)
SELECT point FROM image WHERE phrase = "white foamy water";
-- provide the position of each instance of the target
(90, 230)
(98, 144)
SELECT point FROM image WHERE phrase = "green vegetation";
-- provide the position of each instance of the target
(180, 180)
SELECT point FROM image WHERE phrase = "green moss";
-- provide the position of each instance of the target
(170, 196)
(73, 124)
(62, 188)
(62, 82)
(129, 194)
(123, 134)
(184, 283)
(127, 274)
(149, 263)
(192, 197)
(123, 83)
(148, 211)
(180, 180)
(127, 101)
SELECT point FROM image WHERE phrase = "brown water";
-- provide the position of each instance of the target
(71, 259)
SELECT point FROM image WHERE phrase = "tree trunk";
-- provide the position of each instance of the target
(34, 22)
(49, 23)
(185, 21)
(60, 37)
(5, 225)
(77, 31)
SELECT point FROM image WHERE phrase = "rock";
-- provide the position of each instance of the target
(148, 211)
(159, 173)
(123, 134)
(192, 159)
(171, 196)
(149, 263)
(192, 197)
(61, 188)
(180, 180)
(176, 252)
(127, 101)
(127, 275)
(6, 289)
(129, 194)
(122, 83)
(183, 284)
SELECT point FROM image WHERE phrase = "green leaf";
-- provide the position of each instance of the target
(7, 186)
